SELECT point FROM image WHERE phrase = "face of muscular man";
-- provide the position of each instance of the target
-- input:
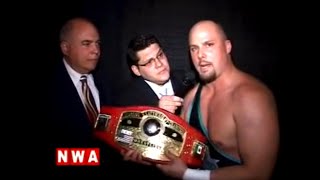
(209, 50)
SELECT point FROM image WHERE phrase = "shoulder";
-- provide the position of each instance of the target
(127, 88)
(132, 92)
(134, 85)
(192, 92)
(251, 98)
(190, 96)
(251, 90)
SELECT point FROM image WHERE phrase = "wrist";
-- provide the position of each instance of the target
(195, 174)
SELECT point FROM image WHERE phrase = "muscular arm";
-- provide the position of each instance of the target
(255, 115)
(187, 102)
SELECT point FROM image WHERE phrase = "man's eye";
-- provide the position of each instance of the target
(160, 55)
(150, 62)
(210, 44)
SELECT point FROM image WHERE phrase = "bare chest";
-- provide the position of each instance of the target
(218, 117)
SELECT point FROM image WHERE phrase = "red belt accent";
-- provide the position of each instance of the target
(193, 147)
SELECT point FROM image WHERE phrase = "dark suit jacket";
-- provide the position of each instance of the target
(69, 127)
(138, 92)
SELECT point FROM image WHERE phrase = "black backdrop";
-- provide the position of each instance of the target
(255, 28)
(247, 24)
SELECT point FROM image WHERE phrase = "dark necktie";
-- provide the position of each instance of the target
(90, 104)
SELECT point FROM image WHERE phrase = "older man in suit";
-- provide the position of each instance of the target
(75, 99)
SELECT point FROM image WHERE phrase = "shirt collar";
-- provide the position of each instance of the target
(75, 76)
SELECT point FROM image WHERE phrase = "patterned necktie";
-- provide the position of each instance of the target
(90, 104)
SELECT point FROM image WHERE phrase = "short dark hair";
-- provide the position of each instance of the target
(139, 43)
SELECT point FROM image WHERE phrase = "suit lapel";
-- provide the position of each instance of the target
(146, 90)
(70, 97)
(177, 87)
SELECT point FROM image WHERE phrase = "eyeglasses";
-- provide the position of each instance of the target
(160, 56)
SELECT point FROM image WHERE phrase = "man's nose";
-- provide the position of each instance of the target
(96, 49)
(157, 62)
(201, 54)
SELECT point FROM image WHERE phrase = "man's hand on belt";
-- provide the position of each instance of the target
(170, 103)
(175, 168)
(135, 156)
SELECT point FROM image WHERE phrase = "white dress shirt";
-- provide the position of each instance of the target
(75, 77)
(160, 91)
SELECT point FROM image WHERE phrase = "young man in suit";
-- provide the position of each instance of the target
(72, 113)
(153, 85)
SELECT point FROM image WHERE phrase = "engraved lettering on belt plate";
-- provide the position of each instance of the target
(151, 132)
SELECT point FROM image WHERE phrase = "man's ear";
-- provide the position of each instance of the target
(228, 46)
(64, 47)
(135, 70)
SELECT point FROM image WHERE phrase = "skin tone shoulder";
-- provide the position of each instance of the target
(238, 110)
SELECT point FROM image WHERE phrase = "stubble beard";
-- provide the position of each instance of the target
(208, 77)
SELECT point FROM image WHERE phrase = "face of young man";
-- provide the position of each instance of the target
(152, 65)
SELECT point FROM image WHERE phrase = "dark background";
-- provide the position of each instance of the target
(259, 31)
(248, 25)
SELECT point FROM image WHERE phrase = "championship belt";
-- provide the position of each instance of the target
(151, 131)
